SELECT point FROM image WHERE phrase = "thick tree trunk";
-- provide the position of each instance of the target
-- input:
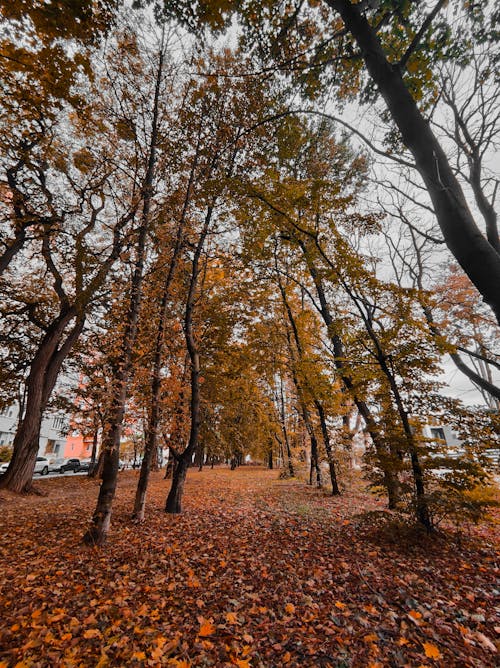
(39, 386)
(477, 257)
(110, 453)
(174, 498)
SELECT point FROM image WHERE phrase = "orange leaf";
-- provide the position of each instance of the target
(431, 651)
(231, 618)
(289, 608)
(206, 629)
(92, 633)
(140, 656)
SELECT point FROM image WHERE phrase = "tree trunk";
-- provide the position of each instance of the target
(270, 458)
(99, 527)
(477, 257)
(387, 459)
(39, 386)
(200, 456)
(174, 498)
(154, 407)
(93, 456)
(328, 447)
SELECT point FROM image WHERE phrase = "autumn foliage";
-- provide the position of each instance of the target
(278, 574)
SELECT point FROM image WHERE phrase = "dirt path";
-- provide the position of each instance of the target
(256, 572)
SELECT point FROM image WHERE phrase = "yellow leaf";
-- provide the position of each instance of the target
(340, 605)
(290, 608)
(431, 651)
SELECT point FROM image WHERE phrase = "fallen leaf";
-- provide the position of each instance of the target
(206, 628)
(431, 651)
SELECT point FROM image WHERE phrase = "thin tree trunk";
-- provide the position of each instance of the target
(270, 458)
(93, 456)
(328, 447)
(286, 441)
(174, 499)
(387, 459)
(154, 408)
(101, 520)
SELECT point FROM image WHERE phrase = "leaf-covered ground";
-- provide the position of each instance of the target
(256, 572)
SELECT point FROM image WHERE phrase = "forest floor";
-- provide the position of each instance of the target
(257, 572)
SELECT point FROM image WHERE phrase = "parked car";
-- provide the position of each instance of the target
(55, 464)
(70, 465)
(85, 464)
(41, 466)
(3, 467)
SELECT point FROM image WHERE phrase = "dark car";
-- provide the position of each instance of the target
(70, 465)
(85, 464)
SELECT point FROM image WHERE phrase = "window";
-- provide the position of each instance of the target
(438, 432)
(59, 423)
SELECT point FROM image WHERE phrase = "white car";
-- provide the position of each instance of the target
(41, 466)
(3, 467)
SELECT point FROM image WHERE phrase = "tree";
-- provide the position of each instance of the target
(45, 54)
(74, 251)
(397, 43)
(122, 364)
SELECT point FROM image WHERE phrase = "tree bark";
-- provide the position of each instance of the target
(328, 447)
(174, 499)
(44, 370)
(154, 407)
(101, 520)
(386, 458)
